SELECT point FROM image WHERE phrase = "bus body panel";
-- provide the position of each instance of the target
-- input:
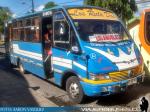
(30, 55)
(105, 58)
(64, 61)
(61, 62)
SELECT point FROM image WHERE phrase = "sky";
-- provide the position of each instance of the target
(20, 7)
(142, 6)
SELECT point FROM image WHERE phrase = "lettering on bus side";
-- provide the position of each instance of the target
(48, 13)
(91, 13)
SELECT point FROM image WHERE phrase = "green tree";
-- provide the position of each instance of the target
(50, 5)
(123, 8)
(89, 2)
(5, 14)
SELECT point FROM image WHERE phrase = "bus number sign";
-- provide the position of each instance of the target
(48, 13)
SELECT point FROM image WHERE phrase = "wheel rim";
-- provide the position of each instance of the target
(74, 90)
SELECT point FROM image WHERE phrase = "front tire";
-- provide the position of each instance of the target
(74, 90)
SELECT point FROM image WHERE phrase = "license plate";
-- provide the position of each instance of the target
(132, 81)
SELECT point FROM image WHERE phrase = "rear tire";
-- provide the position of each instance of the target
(21, 68)
(74, 90)
(11, 64)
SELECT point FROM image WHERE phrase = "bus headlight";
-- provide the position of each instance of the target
(99, 77)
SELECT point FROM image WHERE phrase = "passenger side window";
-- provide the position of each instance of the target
(15, 31)
(61, 31)
(74, 39)
(36, 32)
(26, 30)
(32, 30)
(74, 42)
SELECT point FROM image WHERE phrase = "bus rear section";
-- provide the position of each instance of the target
(141, 35)
(92, 53)
(27, 45)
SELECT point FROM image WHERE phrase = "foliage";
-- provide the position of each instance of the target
(123, 8)
(50, 5)
(5, 14)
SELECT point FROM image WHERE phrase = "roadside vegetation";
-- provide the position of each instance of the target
(50, 5)
(124, 9)
(5, 14)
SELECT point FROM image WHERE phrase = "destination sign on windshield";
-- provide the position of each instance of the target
(91, 13)
(105, 38)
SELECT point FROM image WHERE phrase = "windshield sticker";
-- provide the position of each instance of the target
(91, 13)
(110, 44)
(105, 38)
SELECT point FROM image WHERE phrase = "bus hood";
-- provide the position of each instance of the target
(109, 57)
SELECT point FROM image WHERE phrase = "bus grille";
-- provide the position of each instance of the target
(124, 75)
(118, 76)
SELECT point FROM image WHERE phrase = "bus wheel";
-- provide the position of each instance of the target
(21, 68)
(11, 65)
(74, 89)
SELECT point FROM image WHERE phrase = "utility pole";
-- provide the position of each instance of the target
(32, 6)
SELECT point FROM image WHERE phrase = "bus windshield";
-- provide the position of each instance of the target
(100, 30)
(97, 25)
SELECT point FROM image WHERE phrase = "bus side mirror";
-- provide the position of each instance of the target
(75, 49)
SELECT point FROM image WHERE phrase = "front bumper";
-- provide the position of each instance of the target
(109, 88)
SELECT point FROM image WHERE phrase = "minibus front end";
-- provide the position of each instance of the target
(112, 68)
(112, 60)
